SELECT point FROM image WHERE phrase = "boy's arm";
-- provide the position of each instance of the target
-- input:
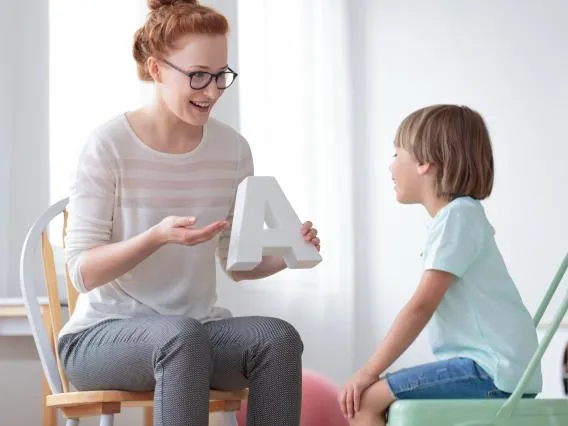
(410, 321)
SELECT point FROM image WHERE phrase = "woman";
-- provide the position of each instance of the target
(149, 207)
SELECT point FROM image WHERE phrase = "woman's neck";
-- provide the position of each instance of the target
(169, 133)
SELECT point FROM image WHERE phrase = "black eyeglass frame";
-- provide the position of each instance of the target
(212, 76)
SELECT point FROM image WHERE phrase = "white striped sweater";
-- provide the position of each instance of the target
(121, 188)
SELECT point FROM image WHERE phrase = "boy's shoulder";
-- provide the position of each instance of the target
(464, 215)
(463, 209)
(462, 205)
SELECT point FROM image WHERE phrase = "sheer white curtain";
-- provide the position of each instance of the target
(295, 111)
(295, 108)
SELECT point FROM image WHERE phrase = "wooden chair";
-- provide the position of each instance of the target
(75, 405)
(513, 411)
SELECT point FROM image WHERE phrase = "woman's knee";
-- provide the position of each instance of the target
(281, 336)
(182, 332)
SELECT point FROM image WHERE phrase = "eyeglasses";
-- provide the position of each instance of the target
(200, 79)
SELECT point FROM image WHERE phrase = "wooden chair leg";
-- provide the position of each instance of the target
(148, 416)
(49, 414)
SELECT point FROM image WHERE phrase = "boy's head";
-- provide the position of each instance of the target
(448, 145)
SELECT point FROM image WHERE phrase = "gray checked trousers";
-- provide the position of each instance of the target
(180, 359)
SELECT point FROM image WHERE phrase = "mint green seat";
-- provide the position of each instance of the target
(513, 411)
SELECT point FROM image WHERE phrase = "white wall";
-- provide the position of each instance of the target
(508, 60)
(26, 142)
(23, 185)
(6, 105)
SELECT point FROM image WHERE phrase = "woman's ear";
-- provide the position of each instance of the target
(153, 66)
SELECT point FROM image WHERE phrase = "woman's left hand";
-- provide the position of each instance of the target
(310, 234)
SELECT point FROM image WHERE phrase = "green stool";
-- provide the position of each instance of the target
(513, 411)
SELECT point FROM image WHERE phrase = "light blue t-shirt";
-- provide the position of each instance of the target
(481, 316)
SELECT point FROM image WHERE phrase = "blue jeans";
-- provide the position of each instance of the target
(455, 378)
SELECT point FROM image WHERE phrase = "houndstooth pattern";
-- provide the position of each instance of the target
(180, 359)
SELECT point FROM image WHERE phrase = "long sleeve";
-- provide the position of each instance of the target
(91, 204)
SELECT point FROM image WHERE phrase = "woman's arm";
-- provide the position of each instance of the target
(267, 267)
(102, 264)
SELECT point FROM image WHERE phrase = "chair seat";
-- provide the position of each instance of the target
(476, 412)
(128, 399)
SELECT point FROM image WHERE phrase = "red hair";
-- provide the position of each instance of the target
(167, 22)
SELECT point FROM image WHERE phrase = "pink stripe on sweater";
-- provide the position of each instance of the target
(156, 166)
(141, 183)
(173, 202)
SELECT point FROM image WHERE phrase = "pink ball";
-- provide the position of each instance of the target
(319, 403)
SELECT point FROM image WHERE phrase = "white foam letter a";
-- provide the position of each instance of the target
(260, 200)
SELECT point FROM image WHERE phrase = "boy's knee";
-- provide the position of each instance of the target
(377, 398)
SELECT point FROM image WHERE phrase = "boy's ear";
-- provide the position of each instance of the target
(424, 168)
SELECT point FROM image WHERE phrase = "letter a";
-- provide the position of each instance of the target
(260, 200)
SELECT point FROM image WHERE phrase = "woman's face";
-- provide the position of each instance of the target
(197, 55)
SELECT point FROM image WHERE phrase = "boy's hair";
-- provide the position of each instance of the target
(455, 140)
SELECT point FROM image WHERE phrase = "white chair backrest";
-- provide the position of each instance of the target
(31, 280)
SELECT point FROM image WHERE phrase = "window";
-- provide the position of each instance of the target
(92, 78)
(92, 75)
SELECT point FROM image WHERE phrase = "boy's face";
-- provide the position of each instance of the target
(407, 177)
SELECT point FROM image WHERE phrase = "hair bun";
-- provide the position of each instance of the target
(156, 4)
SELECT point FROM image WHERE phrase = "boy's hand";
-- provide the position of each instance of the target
(350, 396)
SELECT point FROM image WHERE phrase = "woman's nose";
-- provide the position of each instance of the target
(212, 91)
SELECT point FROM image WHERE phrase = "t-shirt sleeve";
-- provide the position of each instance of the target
(454, 243)
(245, 169)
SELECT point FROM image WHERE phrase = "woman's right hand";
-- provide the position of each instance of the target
(180, 230)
